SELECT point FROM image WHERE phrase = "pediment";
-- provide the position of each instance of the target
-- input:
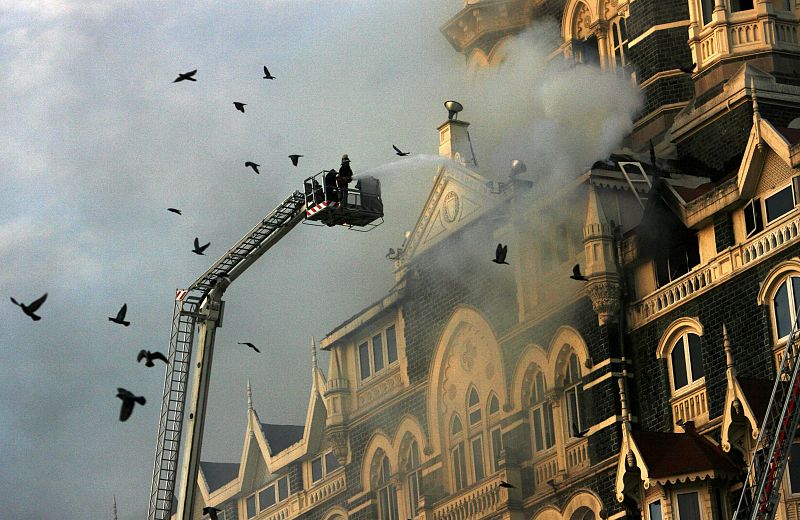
(767, 160)
(459, 196)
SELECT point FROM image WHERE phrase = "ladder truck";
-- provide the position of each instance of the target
(762, 488)
(199, 310)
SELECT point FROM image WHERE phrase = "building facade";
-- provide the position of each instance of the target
(637, 392)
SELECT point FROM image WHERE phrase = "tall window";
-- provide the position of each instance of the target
(474, 407)
(572, 395)
(378, 352)
(541, 413)
(276, 492)
(794, 469)
(387, 493)
(654, 510)
(785, 306)
(495, 433)
(707, 6)
(619, 44)
(741, 5)
(322, 466)
(686, 361)
(688, 506)
(413, 479)
(457, 454)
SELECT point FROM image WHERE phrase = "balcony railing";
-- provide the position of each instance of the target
(692, 406)
(545, 470)
(306, 499)
(479, 501)
(578, 455)
(724, 265)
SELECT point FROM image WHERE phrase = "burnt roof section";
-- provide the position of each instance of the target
(217, 474)
(668, 454)
(281, 436)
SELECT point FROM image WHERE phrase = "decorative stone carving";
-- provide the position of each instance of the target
(605, 296)
(582, 21)
(337, 437)
(380, 390)
(451, 206)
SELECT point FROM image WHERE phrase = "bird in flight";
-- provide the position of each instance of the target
(198, 249)
(120, 319)
(500, 254)
(576, 274)
(175, 210)
(504, 484)
(211, 512)
(688, 69)
(128, 402)
(31, 308)
(239, 106)
(267, 75)
(150, 356)
(186, 76)
(398, 152)
(578, 433)
(250, 345)
(295, 158)
(254, 166)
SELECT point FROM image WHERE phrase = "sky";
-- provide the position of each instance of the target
(96, 141)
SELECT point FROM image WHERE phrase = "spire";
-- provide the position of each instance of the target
(596, 223)
(249, 396)
(756, 113)
(114, 508)
(726, 344)
(313, 363)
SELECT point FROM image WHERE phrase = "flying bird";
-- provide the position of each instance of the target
(31, 308)
(175, 210)
(295, 158)
(578, 433)
(198, 249)
(239, 106)
(689, 69)
(504, 484)
(186, 76)
(128, 402)
(576, 274)
(211, 512)
(120, 319)
(150, 356)
(398, 152)
(500, 254)
(254, 166)
(250, 345)
(392, 253)
(267, 75)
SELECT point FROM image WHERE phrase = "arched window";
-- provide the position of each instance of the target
(475, 434)
(619, 44)
(474, 407)
(541, 415)
(572, 395)
(785, 305)
(495, 432)
(458, 460)
(413, 478)
(387, 493)
(686, 361)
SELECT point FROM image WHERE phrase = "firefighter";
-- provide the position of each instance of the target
(343, 179)
(330, 186)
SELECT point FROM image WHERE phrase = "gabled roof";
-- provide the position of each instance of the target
(281, 436)
(757, 393)
(217, 474)
(673, 456)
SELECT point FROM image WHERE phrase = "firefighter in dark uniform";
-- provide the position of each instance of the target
(330, 186)
(343, 179)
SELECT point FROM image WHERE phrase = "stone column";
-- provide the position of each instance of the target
(554, 397)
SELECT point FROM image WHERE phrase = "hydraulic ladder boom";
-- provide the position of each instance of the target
(762, 487)
(201, 305)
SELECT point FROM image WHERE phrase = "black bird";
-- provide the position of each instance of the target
(120, 319)
(295, 158)
(392, 253)
(688, 69)
(175, 210)
(267, 75)
(398, 152)
(239, 106)
(500, 254)
(211, 512)
(578, 433)
(576, 274)
(128, 401)
(186, 76)
(150, 356)
(31, 308)
(198, 249)
(254, 166)
(250, 345)
(505, 484)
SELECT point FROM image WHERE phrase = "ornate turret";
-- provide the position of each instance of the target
(600, 266)
(337, 403)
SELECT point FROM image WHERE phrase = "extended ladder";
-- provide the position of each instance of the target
(762, 488)
(635, 177)
(185, 316)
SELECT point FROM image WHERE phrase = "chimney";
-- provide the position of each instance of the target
(454, 140)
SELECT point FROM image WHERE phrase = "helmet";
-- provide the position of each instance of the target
(345, 158)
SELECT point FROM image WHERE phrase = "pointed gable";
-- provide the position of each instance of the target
(459, 196)
(281, 436)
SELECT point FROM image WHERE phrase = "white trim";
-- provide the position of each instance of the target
(659, 27)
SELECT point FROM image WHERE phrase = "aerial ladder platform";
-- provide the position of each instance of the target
(199, 310)
(762, 487)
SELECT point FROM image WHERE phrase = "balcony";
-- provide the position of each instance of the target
(301, 502)
(545, 470)
(578, 456)
(476, 502)
(691, 406)
(725, 265)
